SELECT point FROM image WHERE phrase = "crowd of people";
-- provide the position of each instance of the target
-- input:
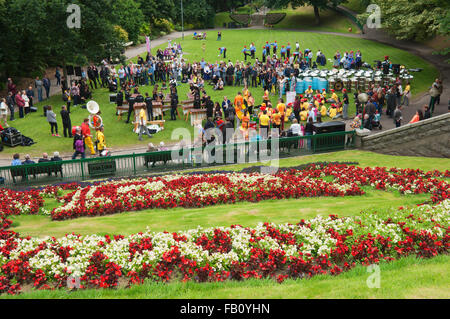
(276, 73)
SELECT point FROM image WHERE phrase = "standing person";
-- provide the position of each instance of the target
(406, 94)
(67, 124)
(12, 87)
(143, 123)
(10, 102)
(149, 104)
(223, 51)
(20, 104)
(281, 107)
(78, 144)
(309, 130)
(440, 90)
(264, 122)
(173, 106)
(101, 143)
(38, 84)
(58, 76)
(46, 83)
(30, 95)
(219, 36)
(4, 112)
(87, 136)
(51, 118)
(26, 106)
(346, 102)
(398, 116)
(434, 93)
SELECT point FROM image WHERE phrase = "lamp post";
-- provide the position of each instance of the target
(182, 22)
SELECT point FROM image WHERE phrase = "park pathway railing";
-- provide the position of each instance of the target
(164, 161)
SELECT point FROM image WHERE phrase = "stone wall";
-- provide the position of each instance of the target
(430, 138)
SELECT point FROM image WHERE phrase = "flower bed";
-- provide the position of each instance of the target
(318, 246)
(114, 196)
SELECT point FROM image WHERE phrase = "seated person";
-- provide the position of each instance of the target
(334, 98)
(323, 109)
(27, 160)
(44, 158)
(219, 85)
(366, 122)
(304, 115)
(16, 160)
(332, 111)
(56, 157)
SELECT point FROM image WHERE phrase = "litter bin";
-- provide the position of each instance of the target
(329, 142)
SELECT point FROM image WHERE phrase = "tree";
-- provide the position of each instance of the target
(413, 19)
(129, 16)
(316, 4)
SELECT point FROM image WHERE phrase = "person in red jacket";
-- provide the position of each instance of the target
(20, 102)
(87, 136)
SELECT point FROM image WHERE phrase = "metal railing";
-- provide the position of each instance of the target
(163, 161)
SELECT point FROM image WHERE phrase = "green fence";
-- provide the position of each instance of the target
(164, 161)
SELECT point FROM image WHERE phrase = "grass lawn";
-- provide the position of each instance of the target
(303, 18)
(119, 135)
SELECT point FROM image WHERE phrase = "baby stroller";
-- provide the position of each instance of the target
(376, 122)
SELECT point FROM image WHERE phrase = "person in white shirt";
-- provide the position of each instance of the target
(295, 128)
(4, 112)
(25, 97)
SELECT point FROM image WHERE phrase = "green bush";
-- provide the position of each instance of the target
(274, 18)
(240, 18)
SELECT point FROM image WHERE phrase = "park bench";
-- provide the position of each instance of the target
(154, 157)
(43, 168)
(101, 168)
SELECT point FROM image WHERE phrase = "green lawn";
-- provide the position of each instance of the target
(408, 278)
(120, 135)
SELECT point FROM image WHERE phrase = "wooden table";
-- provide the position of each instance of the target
(186, 110)
(197, 115)
(158, 109)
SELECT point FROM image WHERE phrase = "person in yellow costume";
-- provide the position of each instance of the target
(281, 107)
(238, 109)
(288, 112)
(317, 103)
(101, 144)
(309, 91)
(276, 119)
(332, 111)
(304, 115)
(305, 105)
(324, 94)
(323, 110)
(334, 97)
(245, 94)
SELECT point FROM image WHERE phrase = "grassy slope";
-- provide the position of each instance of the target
(120, 135)
(355, 5)
(406, 278)
(303, 18)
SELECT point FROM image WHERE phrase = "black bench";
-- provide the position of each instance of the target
(101, 168)
(162, 156)
(36, 169)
